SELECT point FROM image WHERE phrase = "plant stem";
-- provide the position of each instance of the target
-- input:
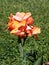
(20, 45)
(21, 52)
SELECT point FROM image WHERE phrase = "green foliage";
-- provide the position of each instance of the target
(39, 61)
(9, 53)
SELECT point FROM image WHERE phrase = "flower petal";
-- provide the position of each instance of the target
(28, 31)
(36, 30)
(16, 32)
(28, 28)
(22, 34)
(18, 16)
(27, 15)
(22, 28)
(29, 21)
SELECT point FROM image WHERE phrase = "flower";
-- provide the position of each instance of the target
(20, 24)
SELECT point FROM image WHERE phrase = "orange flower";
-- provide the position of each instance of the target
(15, 24)
(29, 21)
(20, 25)
(32, 30)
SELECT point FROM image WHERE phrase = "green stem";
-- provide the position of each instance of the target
(23, 60)
(21, 52)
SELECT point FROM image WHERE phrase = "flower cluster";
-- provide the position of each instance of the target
(20, 24)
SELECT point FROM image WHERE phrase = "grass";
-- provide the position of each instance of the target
(9, 54)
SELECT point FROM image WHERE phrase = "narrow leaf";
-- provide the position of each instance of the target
(39, 61)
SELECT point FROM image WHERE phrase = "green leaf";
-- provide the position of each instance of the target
(39, 61)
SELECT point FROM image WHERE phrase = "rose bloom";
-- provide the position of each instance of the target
(20, 24)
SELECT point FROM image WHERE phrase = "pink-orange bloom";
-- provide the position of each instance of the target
(21, 25)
